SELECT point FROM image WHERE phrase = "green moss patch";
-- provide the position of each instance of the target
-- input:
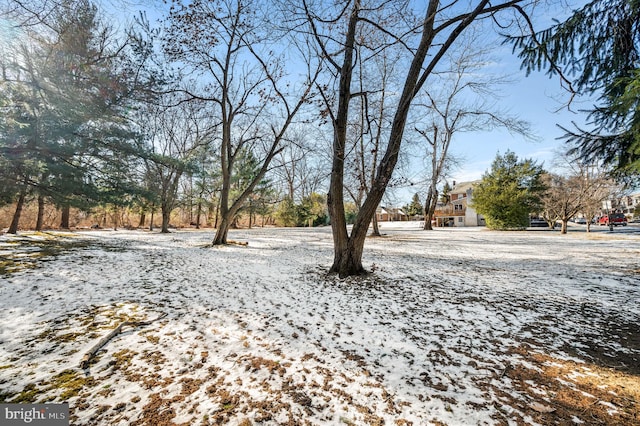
(70, 383)
(28, 395)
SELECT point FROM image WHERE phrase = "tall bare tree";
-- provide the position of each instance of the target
(424, 41)
(461, 99)
(228, 46)
(370, 124)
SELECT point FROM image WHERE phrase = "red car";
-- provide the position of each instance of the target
(616, 219)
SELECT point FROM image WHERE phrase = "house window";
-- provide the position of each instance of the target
(460, 219)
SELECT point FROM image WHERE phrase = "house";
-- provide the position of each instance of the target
(626, 204)
(457, 210)
(629, 203)
(390, 214)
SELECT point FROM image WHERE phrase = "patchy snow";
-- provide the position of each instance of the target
(455, 326)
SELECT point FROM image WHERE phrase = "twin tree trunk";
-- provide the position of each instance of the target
(348, 249)
(228, 214)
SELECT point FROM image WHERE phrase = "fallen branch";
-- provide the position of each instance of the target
(84, 363)
(238, 243)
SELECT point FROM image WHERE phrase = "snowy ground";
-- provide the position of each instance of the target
(454, 327)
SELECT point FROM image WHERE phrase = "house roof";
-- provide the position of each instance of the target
(463, 187)
(390, 210)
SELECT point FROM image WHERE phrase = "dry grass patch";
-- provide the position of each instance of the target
(559, 391)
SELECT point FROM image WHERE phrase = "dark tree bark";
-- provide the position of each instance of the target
(430, 208)
(198, 214)
(222, 232)
(166, 217)
(348, 248)
(216, 215)
(40, 216)
(13, 228)
(344, 263)
(375, 228)
(66, 214)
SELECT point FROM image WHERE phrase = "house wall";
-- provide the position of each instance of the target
(459, 209)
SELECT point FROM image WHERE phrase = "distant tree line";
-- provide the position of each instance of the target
(229, 108)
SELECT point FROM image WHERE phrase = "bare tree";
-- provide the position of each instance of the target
(462, 100)
(578, 188)
(563, 198)
(299, 165)
(375, 80)
(599, 187)
(424, 42)
(227, 45)
(175, 137)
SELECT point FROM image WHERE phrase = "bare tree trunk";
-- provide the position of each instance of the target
(225, 217)
(151, 222)
(13, 228)
(142, 220)
(166, 216)
(40, 217)
(221, 232)
(429, 209)
(217, 215)
(375, 228)
(115, 220)
(563, 229)
(66, 214)
(198, 214)
(348, 249)
(344, 261)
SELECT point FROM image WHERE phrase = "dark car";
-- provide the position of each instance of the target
(536, 222)
(615, 218)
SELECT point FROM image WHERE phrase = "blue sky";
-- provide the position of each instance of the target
(537, 98)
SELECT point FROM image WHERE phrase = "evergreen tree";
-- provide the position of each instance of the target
(509, 192)
(599, 47)
(415, 208)
(286, 212)
(445, 194)
(312, 211)
(66, 89)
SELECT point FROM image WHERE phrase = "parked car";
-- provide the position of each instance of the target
(535, 222)
(580, 220)
(616, 219)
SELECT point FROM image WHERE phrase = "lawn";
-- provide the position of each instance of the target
(453, 327)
